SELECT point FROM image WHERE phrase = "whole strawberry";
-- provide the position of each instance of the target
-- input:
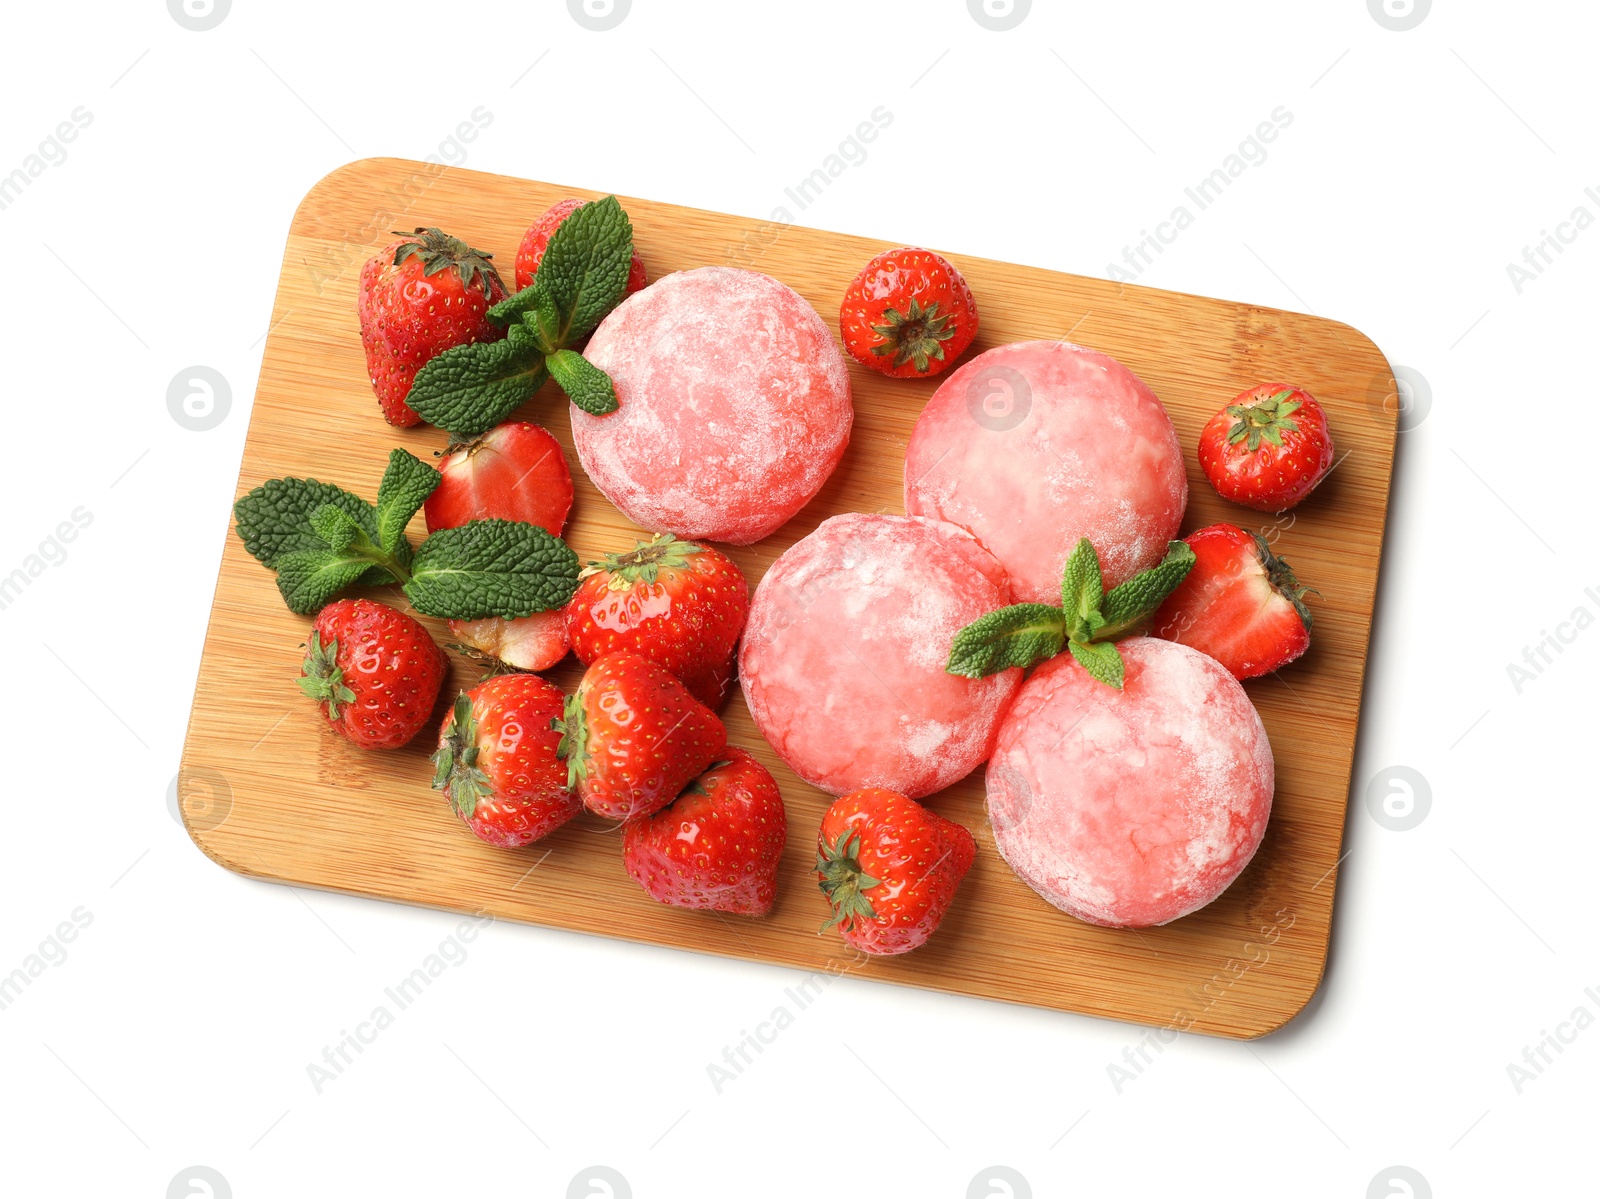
(538, 237)
(889, 868)
(1240, 603)
(497, 761)
(717, 846)
(633, 737)
(679, 604)
(1268, 448)
(374, 670)
(418, 297)
(909, 314)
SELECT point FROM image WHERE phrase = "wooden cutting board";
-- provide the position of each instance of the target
(267, 790)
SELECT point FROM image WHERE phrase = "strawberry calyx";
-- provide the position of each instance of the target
(916, 335)
(1267, 421)
(644, 562)
(1283, 579)
(455, 764)
(842, 881)
(439, 251)
(321, 677)
(573, 748)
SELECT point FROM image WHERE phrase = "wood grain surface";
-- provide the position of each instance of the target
(268, 790)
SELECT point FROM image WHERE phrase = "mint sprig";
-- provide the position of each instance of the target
(320, 540)
(1087, 623)
(582, 276)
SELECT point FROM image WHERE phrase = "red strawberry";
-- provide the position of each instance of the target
(497, 761)
(515, 471)
(534, 642)
(418, 297)
(1268, 448)
(538, 237)
(717, 845)
(633, 737)
(1239, 603)
(890, 868)
(909, 314)
(679, 604)
(374, 670)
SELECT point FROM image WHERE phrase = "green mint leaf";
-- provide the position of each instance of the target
(533, 310)
(1082, 591)
(1101, 660)
(275, 518)
(308, 579)
(585, 266)
(407, 482)
(337, 528)
(1133, 602)
(1020, 635)
(469, 389)
(586, 385)
(484, 568)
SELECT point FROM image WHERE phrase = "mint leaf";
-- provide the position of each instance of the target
(1081, 591)
(469, 389)
(534, 310)
(1101, 659)
(407, 482)
(586, 385)
(1131, 603)
(337, 528)
(308, 579)
(584, 270)
(275, 518)
(1020, 635)
(484, 568)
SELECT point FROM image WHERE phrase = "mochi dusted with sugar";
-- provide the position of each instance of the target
(843, 661)
(734, 406)
(1033, 445)
(1131, 808)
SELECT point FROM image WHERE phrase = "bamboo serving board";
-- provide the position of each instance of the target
(268, 790)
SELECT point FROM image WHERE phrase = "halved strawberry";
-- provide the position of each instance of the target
(534, 642)
(1239, 603)
(515, 471)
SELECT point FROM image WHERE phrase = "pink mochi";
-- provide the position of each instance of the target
(1033, 445)
(1131, 808)
(843, 658)
(734, 406)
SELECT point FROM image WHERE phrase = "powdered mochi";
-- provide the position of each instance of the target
(1135, 807)
(734, 406)
(1033, 445)
(843, 657)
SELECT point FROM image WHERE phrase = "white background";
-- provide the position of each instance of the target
(1418, 165)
